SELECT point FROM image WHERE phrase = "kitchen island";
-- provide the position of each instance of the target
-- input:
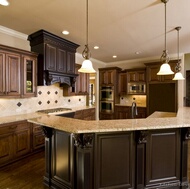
(109, 154)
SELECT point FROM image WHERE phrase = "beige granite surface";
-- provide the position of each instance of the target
(158, 114)
(81, 126)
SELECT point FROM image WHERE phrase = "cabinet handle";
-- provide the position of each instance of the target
(13, 127)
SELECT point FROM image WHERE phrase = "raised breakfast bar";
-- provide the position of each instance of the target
(109, 154)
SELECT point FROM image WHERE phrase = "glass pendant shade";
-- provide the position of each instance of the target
(178, 76)
(87, 67)
(165, 69)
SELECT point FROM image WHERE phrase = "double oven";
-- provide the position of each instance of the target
(106, 99)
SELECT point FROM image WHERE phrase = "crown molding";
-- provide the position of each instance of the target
(13, 33)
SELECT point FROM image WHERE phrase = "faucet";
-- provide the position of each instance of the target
(134, 109)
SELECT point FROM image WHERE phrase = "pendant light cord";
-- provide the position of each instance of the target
(165, 26)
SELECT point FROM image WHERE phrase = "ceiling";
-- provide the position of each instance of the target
(118, 27)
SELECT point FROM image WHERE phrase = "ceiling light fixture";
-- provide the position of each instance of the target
(4, 2)
(114, 56)
(178, 75)
(96, 47)
(87, 64)
(165, 68)
(65, 32)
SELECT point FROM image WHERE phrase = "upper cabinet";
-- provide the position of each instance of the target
(122, 86)
(17, 72)
(56, 61)
(81, 86)
(153, 69)
(138, 75)
(108, 76)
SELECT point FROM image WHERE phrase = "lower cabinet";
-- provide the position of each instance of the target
(86, 114)
(124, 112)
(17, 141)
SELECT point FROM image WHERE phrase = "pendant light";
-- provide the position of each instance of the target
(165, 68)
(178, 75)
(87, 64)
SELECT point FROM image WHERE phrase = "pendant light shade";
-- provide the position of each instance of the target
(87, 67)
(87, 64)
(178, 75)
(165, 68)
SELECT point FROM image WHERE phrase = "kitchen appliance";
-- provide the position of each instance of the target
(136, 88)
(106, 106)
(106, 93)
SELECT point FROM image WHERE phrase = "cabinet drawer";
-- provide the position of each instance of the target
(37, 129)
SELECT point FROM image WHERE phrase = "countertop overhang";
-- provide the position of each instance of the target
(70, 125)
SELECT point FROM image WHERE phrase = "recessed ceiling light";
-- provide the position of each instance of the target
(4, 2)
(114, 56)
(96, 47)
(65, 32)
(137, 52)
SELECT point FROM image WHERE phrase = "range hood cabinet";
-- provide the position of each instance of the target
(56, 60)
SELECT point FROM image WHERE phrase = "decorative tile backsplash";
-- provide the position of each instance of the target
(48, 97)
(128, 99)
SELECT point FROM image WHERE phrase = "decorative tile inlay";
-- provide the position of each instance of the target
(79, 99)
(56, 92)
(56, 101)
(40, 92)
(19, 104)
(69, 100)
(48, 102)
(39, 102)
(48, 92)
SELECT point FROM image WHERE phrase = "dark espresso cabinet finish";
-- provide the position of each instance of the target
(144, 159)
(56, 61)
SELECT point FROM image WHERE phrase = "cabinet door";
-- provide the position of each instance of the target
(132, 76)
(61, 60)
(38, 137)
(122, 84)
(50, 58)
(107, 77)
(6, 146)
(29, 76)
(122, 112)
(2, 74)
(141, 112)
(70, 62)
(141, 76)
(152, 74)
(22, 139)
(13, 78)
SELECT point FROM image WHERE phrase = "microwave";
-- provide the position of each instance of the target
(136, 88)
(106, 93)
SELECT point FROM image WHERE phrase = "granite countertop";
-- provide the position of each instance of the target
(27, 116)
(70, 125)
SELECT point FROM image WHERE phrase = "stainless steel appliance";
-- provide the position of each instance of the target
(136, 88)
(106, 106)
(106, 93)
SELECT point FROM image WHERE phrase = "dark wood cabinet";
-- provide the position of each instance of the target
(122, 85)
(108, 76)
(125, 112)
(86, 114)
(82, 82)
(56, 61)
(19, 139)
(17, 72)
(137, 75)
(14, 141)
(81, 86)
(122, 112)
(38, 138)
(153, 69)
